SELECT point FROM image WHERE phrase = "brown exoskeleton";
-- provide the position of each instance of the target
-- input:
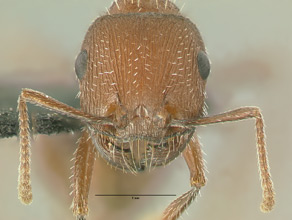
(142, 73)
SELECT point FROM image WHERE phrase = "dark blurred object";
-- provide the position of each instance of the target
(8, 124)
(42, 123)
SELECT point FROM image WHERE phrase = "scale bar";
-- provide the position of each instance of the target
(139, 195)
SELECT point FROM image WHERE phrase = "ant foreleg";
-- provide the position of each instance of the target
(193, 157)
(83, 168)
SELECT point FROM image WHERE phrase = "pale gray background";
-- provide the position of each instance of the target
(250, 45)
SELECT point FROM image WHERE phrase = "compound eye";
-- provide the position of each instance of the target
(203, 64)
(81, 64)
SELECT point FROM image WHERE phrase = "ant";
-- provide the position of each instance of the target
(142, 72)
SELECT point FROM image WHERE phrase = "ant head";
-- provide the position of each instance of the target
(143, 70)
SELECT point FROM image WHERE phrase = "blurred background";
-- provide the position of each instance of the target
(250, 45)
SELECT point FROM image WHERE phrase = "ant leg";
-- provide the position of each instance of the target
(240, 114)
(83, 168)
(24, 182)
(38, 98)
(193, 157)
